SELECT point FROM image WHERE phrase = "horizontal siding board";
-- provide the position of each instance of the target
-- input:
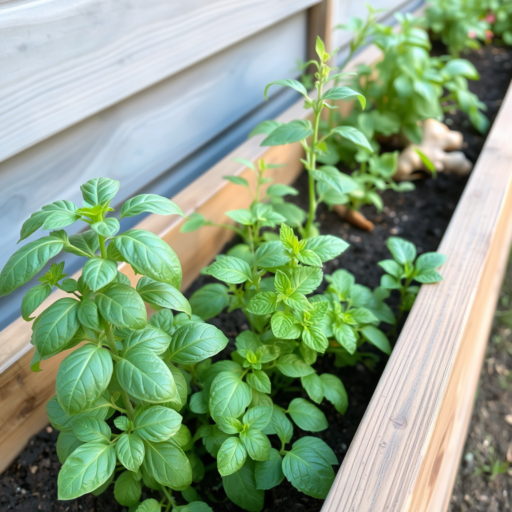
(64, 60)
(139, 139)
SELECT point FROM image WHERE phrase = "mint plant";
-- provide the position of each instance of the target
(122, 364)
(405, 268)
(267, 210)
(308, 134)
(374, 176)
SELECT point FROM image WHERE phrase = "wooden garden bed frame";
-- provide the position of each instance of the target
(406, 451)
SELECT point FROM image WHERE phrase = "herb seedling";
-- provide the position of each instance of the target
(308, 134)
(405, 268)
(493, 467)
(267, 210)
(374, 176)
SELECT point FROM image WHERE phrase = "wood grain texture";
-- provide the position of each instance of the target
(24, 394)
(141, 138)
(64, 60)
(406, 451)
(320, 23)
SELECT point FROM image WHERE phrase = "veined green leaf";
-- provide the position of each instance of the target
(354, 135)
(230, 270)
(150, 338)
(150, 255)
(334, 391)
(229, 395)
(195, 342)
(288, 82)
(127, 489)
(107, 228)
(241, 488)
(99, 272)
(256, 443)
(91, 430)
(130, 451)
(210, 300)
(157, 424)
(27, 261)
(163, 295)
(231, 456)
(55, 327)
(122, 306)
(294, 366)
(150, 203)
(269, 473)
(327, 247)
(288, 133)
(86, 469)
(342, 93)
(167, 464)
(146, 377)
(307, 416)
(99, 191)
(82, 378)
(33, 299)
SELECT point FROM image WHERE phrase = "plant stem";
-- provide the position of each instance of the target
(102, 247)
(126, 399)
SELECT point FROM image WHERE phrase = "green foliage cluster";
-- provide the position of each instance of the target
(460, 24)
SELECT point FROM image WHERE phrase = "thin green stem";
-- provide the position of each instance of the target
(168, 496)
(126, 399)
(103, 249)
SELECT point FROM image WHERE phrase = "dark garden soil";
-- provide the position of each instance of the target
(490, 432)
(420, 216)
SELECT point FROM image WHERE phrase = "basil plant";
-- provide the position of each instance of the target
(268, 208)
(121, 367)
(308, 133)
(405, 268)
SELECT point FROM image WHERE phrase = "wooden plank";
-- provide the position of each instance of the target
(64, 60)
(406, 451)
(320, 22)
(139, 139)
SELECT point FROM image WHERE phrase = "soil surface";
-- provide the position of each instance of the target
(479, 488)
(420, 216)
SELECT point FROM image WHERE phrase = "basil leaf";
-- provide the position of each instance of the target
(313, 336)
(258, 417)
(314, 387)
(428, 277)
(241, 488)
(269, 473)
(256, 443)
(146, 377)
(99, 191)
(122, 306)
(127, 489)
(27, 261)
(33, 299)
(284, 327)
(229, 395)
(150, 255)
(377, 337)
(196, 506)
(230, 270)
(308, 471)
(294, 366)
(163, 320)
(91, 430)
(229, 425)
(319, 446)
(231, 456)
(428, 261)
(151, 203)
(307, 416)
(282, 425)
(61, 421)
(181, 385)
(150, 505)
(210, 300)
(67, 443)
(83, 244)
(149, 338)
(107, 228)
(402, 250)
(326, 247)
(259, 381)
(263, 303)
(198, 403)
(98, 272)
(195, 342)
(130, 451)
(157, 424)
(82, 377)
(288, 133)
(86, 469)
(167, 464)
(354, 135)
(163, 295)
(343, 92)
(271, 255)
(88, 315)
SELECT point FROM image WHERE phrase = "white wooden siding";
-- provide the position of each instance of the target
(63, 60)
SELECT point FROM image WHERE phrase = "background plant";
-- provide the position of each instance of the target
(460, 24)
(308, 134)
(267, 210)
(405, 268)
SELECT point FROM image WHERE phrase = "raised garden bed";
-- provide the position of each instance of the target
(422, 217)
